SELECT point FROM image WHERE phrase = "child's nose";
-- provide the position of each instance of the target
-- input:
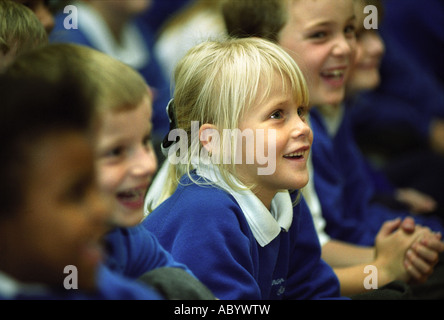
(301, 129)
(342, 46)
(376, 46)
(145, 163)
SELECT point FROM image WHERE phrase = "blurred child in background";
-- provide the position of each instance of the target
(20, 31)
(45, 140)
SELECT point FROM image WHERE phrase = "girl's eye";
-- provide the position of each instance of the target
(277, 115)
(302, 111)
(318, 35)
(350, 30)
(116, 152)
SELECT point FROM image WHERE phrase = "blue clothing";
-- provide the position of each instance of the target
(149, 68)
(161, 10)
(407, 98)
(344, 188)
(411, 92)
(418, 28)
(110, 287)
(205, 228)
(135, 251)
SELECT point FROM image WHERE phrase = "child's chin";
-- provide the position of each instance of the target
(129, 217)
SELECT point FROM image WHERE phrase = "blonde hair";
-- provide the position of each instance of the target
(20, 29)
(217, 82)
(114, 85)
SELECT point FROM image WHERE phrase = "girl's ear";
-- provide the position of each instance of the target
(206, 136)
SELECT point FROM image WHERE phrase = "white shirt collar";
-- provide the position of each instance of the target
(265, 225)
(133, 52)
(10, 287)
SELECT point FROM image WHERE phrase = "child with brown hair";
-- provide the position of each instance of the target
(53, 215)
(20, 31)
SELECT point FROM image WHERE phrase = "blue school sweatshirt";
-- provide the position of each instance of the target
(205, 228)
(135, 251)
(110, 286)
(344, 187)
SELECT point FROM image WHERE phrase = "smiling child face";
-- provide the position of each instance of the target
(288, 147)
(320, 37)
(125, 160)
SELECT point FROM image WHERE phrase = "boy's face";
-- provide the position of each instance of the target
(62, 217)
(125, 159)
(369, 52)
(320, 37)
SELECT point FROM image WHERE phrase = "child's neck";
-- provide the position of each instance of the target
(265, 196)
(329, 110)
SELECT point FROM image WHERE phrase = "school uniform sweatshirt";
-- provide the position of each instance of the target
(110, 286)
(135, 251)
(238, 248)
(344, 188)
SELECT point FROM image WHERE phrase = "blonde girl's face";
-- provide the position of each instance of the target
(126, 162)
(369, 52)
(286, 142)
(320, 36)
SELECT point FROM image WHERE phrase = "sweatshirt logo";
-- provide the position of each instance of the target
(280, 284)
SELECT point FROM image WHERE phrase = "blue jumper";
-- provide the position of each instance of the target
(344, 188)
(204, 227)
(135, 251)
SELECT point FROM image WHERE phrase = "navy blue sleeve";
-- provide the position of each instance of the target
(310, 277)
(135, 251)
(202, 229)
(146, 253)
(338, 183)
(112, 286)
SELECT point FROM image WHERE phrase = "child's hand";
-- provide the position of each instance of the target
(423, 255)
(415, 200)
(405, 251)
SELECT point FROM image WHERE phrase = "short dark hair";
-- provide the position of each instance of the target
(30, 109)
(254, 18)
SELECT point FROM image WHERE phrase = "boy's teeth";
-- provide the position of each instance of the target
(334, 73)
(130, 194)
